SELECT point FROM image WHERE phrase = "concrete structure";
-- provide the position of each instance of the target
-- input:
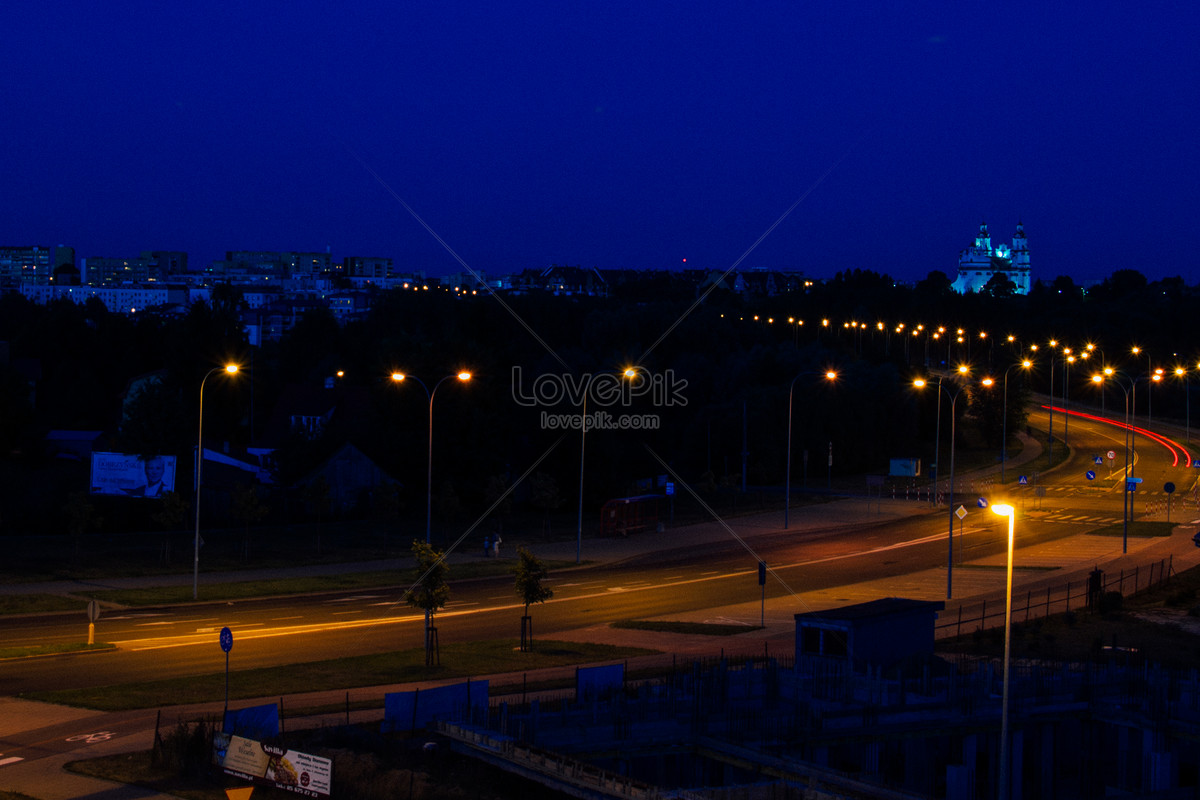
(876, 633)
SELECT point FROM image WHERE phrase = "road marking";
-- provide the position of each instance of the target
(280, 619)
(9, 760)
(92, 738)
(353, 611)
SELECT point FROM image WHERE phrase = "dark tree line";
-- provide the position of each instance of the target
(70, 366)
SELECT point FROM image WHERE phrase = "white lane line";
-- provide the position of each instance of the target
(354, 611)
(10, 760)
(281, 619)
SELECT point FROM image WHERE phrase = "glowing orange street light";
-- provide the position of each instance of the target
(228, 369)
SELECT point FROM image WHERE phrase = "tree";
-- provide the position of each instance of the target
(319, 495)
(495, 494)
(247, 509)
(81, 517)
(530, 572)
(1000, 285)
(429, 592)
(544, 494)
(171, 515)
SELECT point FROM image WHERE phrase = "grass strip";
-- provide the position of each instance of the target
(1137, 529)
(313, 584)
(53, 649)
(39, 603)
(696, 628)
(405, 666)
(1004, 567)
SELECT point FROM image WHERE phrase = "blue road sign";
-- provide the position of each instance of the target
(226, 639)
(1091, 476)
(982, 502)
(1025, 481)
(1168, 487)
(1196, 463)
(1097, 460)
(1130, 486)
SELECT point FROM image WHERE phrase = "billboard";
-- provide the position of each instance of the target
(125, 475)
(270, 765)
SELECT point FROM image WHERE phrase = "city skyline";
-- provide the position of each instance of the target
(615, 137)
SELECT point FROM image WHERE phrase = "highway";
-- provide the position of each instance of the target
(704, 573)
(699, 578)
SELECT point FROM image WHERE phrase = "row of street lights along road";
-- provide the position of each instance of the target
(1065, 355)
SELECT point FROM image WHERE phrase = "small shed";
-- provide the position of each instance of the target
(878, 633)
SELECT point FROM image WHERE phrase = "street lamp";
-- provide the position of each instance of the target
(1025, 364)
(398, 377)
(830, 375)
(920, 383)
(229, 369)
(1067, 362)
(1005, 510)
(629, 372)
(1129, 435)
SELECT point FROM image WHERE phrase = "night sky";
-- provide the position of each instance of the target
(614, 134)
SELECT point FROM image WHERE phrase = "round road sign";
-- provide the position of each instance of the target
(1091, 476)
(1168, 487)
(1111, 454)
(226, 639)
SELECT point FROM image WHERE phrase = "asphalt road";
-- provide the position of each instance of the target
(708, 577)
(689, 578)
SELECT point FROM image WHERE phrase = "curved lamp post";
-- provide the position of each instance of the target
(1129, 393)
(1005, 510)
(398, 377)
(919, 383)
(229, 369)
(831, 376)
(1025, 364)
(629, 372)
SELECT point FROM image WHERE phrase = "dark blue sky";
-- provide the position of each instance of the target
(615, 134)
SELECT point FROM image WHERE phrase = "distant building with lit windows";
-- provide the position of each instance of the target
(978, 264)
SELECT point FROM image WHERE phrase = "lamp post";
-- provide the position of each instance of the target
(919, 383)
(630, 372)
(229, 369)
(1149, 408)
(1129, 435)
(1005, 510)
(830, 375)
(398, 377)
(1025, 364)
(1050, 424)
(1067, 362)
(1180, 372)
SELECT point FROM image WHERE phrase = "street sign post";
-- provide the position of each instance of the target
(226, 640)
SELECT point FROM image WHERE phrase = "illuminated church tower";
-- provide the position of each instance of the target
(979, 263)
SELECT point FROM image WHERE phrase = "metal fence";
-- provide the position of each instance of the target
(1069, 596)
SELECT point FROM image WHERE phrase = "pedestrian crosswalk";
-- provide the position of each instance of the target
(1079, 519)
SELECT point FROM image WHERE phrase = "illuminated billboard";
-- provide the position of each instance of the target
(124, 475)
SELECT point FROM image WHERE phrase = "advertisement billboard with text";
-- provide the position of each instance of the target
(132, 476)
